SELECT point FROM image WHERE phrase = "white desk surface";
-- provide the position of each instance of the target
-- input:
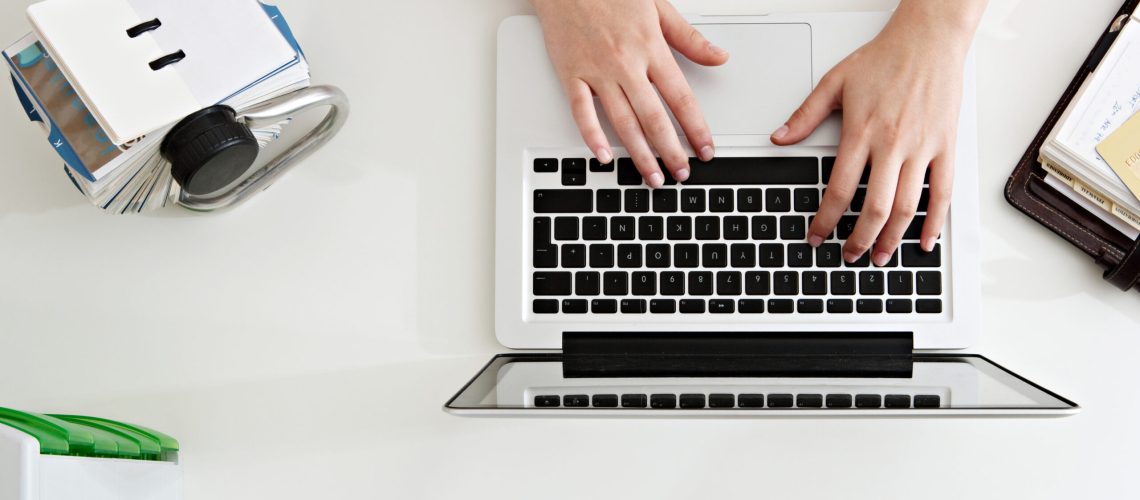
(301, 347)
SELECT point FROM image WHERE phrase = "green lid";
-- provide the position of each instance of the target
(91, 437)
(154, 445)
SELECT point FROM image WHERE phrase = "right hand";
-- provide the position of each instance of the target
(620, 51)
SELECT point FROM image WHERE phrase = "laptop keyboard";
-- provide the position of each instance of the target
(730, 241)
(696, 401)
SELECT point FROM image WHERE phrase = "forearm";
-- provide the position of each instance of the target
(950, 23)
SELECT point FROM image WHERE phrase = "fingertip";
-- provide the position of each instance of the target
(928, 243)
(707, 153)
(656, 180)
(815, 241)
(881, 258)
(681, 175)
(780, 134)
(604, 155)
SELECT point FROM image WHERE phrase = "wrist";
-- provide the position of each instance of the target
(948, 24)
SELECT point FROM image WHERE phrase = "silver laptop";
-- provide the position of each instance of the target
(705, 298)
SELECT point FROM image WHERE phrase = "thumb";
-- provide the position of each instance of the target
(816, 108)
(686, 39)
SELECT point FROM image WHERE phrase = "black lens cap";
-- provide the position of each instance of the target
(209, 150)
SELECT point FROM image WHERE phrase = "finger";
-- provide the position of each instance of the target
(877, 207)
(657, 126)
(679, 96)
(841, 188)
(941, 191)
(628, 128)
(686, 39)
(902, 213)
(586, 116)
(823, 101)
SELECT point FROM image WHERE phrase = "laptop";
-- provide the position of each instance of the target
(704, 298)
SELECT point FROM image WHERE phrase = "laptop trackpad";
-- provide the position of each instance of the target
(766, 78)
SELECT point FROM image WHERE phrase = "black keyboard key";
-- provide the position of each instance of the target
(693, 200)
(597, 166)
(810, 306)
(846, 226)
(750, 200)
(764, 227)
(546, 257)
(658, 256)
(793, 227)
(786, 282)
(840, 306)
(721, 200)
(665, 201)
(663, 401)
(751, 306)
(615, 284)
(771, 255)
(751, 400)
(605, 400)
(700, 283)
(896, 401)
(644, 283)
(929, 282)
(714, 255)
(900, 283)
(914, 230)
(894, 262)
(722, 400)
(634, 401)
(781, 306)
(899, 306)
(807, 200)
(708, 228)
(573, 171)
(627, 173)
(587, 283)
(692, 401)
(754, 171)
(839, 400)
(914, 256)
(692, 306)
(814, 283)
(542, 231)
(575, 306)
(594, 228)
(858, 200)
(736, 228)
(828, 167)
(601, 256)
(637, 201)
(871, 283)
(679, 228)
(758, 283)
(722, 306)
(673, 283)
(829, 255)
(623, 228)
(545, 306)
(573, 256)
(924, 200)
(545, 165)
(809, 401)
(868, 401)
(633, 306)
(603, 306)
(609, 201)
(869, 306)
(843, 282)
(928, 306)
(566, 229)
(547, 401)
(728, 283)
(863, 261)
(662, 306)
(800, 255)
(629, 256)
(927, 401)
(548, 284)
(778, 200)
(780, 400)
(743, 255)
(563, 201)
(686, 255)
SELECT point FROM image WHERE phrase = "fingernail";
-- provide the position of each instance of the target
(815, 241)
(780, 132)
(881, 259)
(928, 244)
(707, 153)
(682, 175)
(850, 257)
(604, 156)
(656, 180)
(717, 50)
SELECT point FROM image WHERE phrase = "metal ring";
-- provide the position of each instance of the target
(269, 113)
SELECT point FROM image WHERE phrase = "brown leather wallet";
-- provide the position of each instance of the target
(1028, 191)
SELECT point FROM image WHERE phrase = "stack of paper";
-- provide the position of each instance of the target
(106, 107)
(1108, 99)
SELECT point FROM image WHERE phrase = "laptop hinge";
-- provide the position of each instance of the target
(737, 354)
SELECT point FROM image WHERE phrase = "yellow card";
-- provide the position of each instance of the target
(1122, 152)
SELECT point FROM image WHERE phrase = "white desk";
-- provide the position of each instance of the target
(301, 347)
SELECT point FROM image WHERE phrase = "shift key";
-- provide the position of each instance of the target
(563, 201)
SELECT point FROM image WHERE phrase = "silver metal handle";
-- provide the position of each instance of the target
(269, 113)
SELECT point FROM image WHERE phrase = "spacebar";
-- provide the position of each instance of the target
(771, 170)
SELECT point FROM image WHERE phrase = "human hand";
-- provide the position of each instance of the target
(620, 50)
(901, 96)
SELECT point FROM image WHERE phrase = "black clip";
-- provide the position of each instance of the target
(167, 60)
(151, 25)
